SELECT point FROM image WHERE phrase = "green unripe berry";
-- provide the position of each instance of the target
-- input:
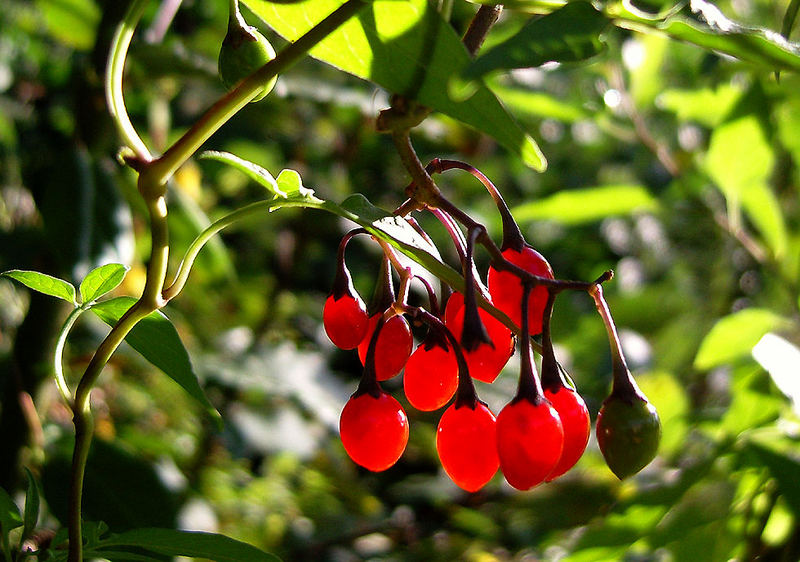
(244, 50)
(628, 432)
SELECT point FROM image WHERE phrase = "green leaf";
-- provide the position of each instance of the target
(407, 48)
(252, 170)
(73, 22)
(784, 469)
(571, 33)
(291, 184)
(740, 160)
(31, 514)
(10, 517)
(539, 105)
(195, 544)
(158, 341)
(708, 27)
(578, 206)
(102, 280)
(733, 337)
(43, 283)
(703, 105)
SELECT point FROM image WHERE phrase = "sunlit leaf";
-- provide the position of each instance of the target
(172, 542)
(158, 341)
(534, 104)
(707, 27)
(578, 206)
(784, 469)
(407, 48)
(702, 105)
(73, 22)
(780, 358)
(252, 170)
(102, 280)
(734, 336)
(43, 283)
(569, 34)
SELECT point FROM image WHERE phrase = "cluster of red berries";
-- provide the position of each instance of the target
(538, 436)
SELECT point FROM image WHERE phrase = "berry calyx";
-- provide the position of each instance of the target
(466, 441)
(431, 376)
(628, 433)
(561, 394)
(244, 50)
(374, 430)
(487, 359)
(393, 347)
(530, 440)
(345, 320)
(506, 288)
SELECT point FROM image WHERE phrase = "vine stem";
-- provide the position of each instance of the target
(58, 369)
(164, 167)
(113, 80)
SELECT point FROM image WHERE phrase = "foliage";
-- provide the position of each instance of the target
(669, 138)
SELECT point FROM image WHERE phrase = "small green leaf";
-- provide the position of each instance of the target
(702, 105)
(408, 49)
(43, 283)
(171, 542)
(252, 170)
(102, 280)
(31, 515)
(733, 337)
(10, 517)
(578, 206)
(571, 33)
(73, 22)
(158, 341)
(290, 182)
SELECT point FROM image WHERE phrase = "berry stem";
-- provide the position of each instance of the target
(432, 300)
(551, 370)
(342, 281)
(529, 388)
(369, 379)
(474, 332)
(623, 386)
(512, 235)
(383, 297)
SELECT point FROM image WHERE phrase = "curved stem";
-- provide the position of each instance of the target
(113, 80)
(58, 369)
(163, 168)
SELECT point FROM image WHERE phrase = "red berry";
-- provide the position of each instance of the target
(392, 348)
(374, 431)
(485, 362)
(506, 288)
(431, 377)
(454, 304)
(345, 320)
(530, 440)
(466, 441)
(574, 418)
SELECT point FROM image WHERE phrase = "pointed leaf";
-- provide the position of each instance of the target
(10, 517)
(102, 280)
(252, 170)
(158, 341)
(734, 336)
(291, 183)
(569, 34)
(708, 27)
(577, 206)
(172, 542)
(407, 48)
(31, 514)
(43, 283)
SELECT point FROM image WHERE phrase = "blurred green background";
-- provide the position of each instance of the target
(675, 167)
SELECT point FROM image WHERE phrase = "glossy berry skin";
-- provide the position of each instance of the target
(506, 288)
(392, 349)
(628, 433)
(431, 377)
(530, 440)
(466, 441)
(486, 362)
(244, 50)
(374, 431)
(345, 320)
(576, 424)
